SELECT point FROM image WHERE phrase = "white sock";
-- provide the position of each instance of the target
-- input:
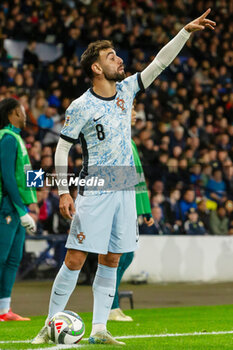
(98, 327)
(4, 311)
(63, 287)
(5, 305)
(104, 291)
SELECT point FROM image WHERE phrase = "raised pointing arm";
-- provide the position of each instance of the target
(168, 53)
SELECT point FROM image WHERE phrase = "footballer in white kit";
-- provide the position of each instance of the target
(105, 220)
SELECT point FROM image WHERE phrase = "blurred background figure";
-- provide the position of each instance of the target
(16, 200)
(193, 226)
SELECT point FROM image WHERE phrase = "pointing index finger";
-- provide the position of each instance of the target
(205, 14)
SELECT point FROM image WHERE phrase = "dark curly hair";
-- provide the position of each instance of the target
(6, 107)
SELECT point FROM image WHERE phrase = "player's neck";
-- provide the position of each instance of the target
(104, 88)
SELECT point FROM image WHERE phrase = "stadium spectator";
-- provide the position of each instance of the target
(204, 213)
(47, 122)
(38, 104)
(172, 177)
(159, 227)
(29, 55)
(187, 202)
(177, 138)
(206, 174)
(193, 226)
(195, 174)
(219, 222)
(216, 187)
(158, 187)
(170, 208)
(184, 175)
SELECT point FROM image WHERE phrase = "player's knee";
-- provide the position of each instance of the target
(111, 259)
(75, 259)
(3, 259)
(13, 264)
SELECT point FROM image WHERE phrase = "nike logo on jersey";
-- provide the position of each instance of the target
(111, 296)
(59, 294)
(95, 119)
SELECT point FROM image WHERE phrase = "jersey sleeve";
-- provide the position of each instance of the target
(7, 165)
(133, 84)
(165, 57)
(75, 119)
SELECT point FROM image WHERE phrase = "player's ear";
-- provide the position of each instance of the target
(96, 68)
(17, 111)
(14, 114)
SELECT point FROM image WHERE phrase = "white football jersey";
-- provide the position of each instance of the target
(103, 126)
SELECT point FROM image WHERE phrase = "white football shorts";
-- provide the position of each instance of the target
(105, 223)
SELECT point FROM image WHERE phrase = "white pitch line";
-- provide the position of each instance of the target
(14, 341)
(61, 346)
(173, 335)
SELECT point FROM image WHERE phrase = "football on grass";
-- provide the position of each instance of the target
(66, 327)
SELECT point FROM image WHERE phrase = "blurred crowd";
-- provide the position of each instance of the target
(184, 128)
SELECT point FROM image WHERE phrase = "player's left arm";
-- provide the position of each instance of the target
(169, 52)
(75, 120)
(66, 204)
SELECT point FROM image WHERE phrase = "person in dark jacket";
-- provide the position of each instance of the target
(29, 55)
(193, 226)
(159, 227)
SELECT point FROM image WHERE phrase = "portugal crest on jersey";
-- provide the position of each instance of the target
(121, 103)
(81, 237)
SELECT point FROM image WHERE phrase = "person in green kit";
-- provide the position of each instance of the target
(143, 208)
(14, 196)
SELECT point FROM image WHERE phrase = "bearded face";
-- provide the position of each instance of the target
(111, 65)
(117, 76)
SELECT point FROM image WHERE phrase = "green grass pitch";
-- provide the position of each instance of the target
(174, 329)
